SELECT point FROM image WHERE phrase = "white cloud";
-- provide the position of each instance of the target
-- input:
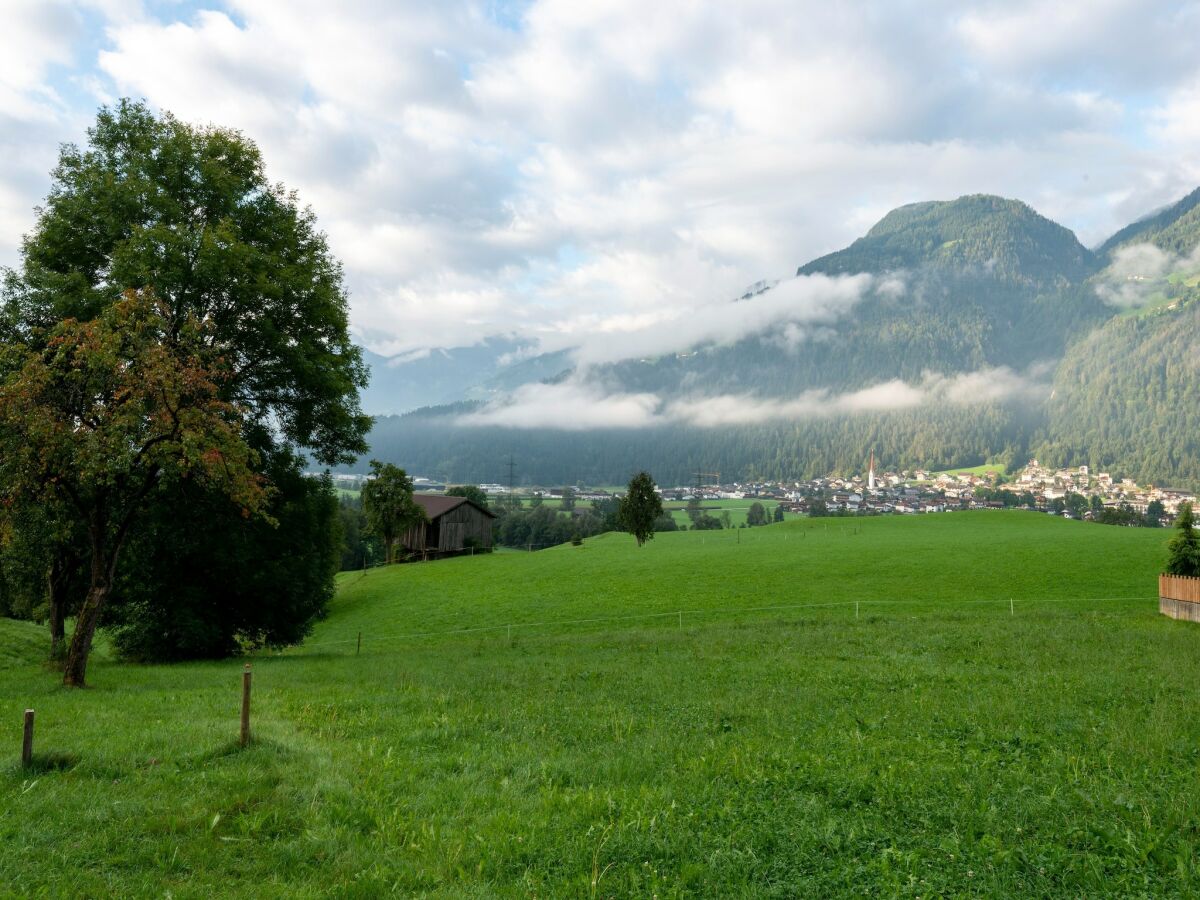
(619, 169)
(577, 404)
(1137, 271)
(568, 406)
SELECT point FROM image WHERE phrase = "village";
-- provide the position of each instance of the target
(1070, 492)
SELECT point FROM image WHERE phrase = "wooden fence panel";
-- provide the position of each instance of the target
(1179, 597)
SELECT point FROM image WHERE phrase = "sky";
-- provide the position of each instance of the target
(558, 170)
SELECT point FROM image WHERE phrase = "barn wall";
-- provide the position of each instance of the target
(461, 523)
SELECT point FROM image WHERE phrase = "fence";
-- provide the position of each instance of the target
(676, 618)
(1179, 597)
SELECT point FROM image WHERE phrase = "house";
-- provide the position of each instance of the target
(455, 525)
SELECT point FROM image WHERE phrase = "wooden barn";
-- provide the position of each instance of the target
(455, 525)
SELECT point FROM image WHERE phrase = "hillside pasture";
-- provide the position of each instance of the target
(1002, 713)
(737, 509)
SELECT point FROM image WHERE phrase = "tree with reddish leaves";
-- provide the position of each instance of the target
(152, 203)
(100, 413)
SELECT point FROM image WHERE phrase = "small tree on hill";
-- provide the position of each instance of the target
(387, 499)
(757, 515)
(640, 507)
(1184, 547)
(101, 413)
(777, 516)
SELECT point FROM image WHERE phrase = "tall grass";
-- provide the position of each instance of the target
(932, 746)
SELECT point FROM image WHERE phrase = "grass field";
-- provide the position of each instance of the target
(747, 736)
(976, 470)
(737, 509)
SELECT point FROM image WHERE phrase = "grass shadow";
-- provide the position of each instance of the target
(43, 763)
(234, 748)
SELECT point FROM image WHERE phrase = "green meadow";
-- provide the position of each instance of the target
(737, 509)
(967, 704)
(983, 469)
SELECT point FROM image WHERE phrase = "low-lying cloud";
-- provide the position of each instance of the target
(579, 405)
(1138, 272)
(800, 303)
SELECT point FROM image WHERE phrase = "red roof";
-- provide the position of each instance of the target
(439, 504)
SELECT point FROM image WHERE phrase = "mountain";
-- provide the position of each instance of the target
(1175, 229)
(1125, 397)
(991, 291)
(992, 237)
(988, 282)
(1128, 388)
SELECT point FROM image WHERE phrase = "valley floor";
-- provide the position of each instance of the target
(1003, 713)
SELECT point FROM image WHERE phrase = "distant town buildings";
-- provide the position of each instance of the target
(903, 492)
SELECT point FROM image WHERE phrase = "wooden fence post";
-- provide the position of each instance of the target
(358, 649)
(27, 741)
(246, 705)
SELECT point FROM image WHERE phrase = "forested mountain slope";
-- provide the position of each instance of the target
(988, 286)
(984, 282)
(1128, 395)
(1175, 229)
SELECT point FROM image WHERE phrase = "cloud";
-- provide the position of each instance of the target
(568, 406)
(800, 302)
(577, 404)
(1137, 274)
(578, 173)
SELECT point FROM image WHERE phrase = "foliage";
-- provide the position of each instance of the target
(543, 526)
(388, 504)
(472, 492)
(101, 415)
(665, 522)
(360, 548)
(151, 202)
(1184, 547)
(1126, 394)
(930, 437)
(236, 585)
(757, 515)
(43, 573)
(640, 508)
(931, 741)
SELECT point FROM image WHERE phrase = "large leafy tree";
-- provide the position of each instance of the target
(102, 413)
(387, 499)
(640, 507)
(152, 202)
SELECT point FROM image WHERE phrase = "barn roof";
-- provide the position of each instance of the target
(439, 504)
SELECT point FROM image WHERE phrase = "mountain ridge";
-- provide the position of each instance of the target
(991, 286)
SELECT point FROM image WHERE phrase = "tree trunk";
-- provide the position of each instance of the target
(104, 565)
(85, 629)
(56, 601)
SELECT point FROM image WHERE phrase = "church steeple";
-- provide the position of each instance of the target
(871, 473)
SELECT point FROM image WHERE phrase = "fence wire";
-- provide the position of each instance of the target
(718, 612)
